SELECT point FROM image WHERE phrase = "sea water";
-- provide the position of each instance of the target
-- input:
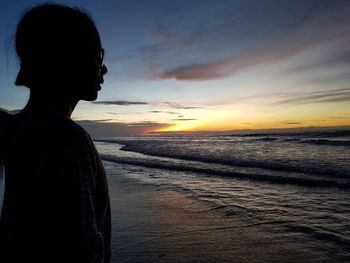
(294, 183)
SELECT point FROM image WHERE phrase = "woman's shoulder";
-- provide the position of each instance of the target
(50, 129)
(65, 131)
(61, 125)
(5, 118)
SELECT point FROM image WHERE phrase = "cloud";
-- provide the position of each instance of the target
(159, 111)
(197, 72)
(98, 129)
(123, 113)
(175, 105)
(179, 119)
(260, 57)
(318, 24)
(337, 117)
(142, 124)
(200, 42)
(192, 107)
(338, 55)
(327, 96)
(120, 102)
(103, 120)
(291, 123)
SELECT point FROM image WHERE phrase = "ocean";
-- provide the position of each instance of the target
(291, 183)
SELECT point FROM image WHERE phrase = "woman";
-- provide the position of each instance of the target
(56, 203)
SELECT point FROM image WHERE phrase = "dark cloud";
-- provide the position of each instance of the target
(142, 124)
(192, 107)
(291, 123)
(159, 111)
(337, 117)
(175, 105)
(254, 123)
(123, 113)
(103, 120)
(98, 129)
(179, 119)
(120, 102)
(197, 72)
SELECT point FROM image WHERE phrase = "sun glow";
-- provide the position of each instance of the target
(180, 127)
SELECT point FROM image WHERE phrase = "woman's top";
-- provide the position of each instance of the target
(56, 203)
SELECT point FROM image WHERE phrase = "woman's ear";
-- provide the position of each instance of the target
(50, 59)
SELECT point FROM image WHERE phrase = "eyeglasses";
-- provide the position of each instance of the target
(97, 54)
(101, 56)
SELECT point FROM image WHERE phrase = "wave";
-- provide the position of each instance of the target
(314, 134)
(320, 234)
(263, 164)
(327, 142)
(314, 141)
(203, 168)
(301, 140)
(264, 139)
(162, 149)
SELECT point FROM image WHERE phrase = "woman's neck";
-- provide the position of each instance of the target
(44, 103)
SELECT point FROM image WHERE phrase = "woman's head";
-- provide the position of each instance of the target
(60, 52)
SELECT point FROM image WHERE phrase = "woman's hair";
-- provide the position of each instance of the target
(48, 27)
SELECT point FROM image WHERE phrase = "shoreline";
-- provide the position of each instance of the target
(151, 224)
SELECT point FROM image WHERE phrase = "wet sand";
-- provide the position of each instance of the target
(151, 224)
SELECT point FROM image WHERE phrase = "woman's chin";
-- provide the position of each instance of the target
(88, 92)
(90, 96)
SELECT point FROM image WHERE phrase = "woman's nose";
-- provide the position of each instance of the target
(104, 70)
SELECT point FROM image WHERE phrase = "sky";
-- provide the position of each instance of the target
(192, 66)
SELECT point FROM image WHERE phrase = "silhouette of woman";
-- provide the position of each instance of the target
(56, 202)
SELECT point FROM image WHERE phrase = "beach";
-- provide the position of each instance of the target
(281, 197)
(158, 224)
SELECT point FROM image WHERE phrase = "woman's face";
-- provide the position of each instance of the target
(87, 68)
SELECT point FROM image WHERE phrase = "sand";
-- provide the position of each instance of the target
(151, 224)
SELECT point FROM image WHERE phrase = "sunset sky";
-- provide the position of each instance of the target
(207, 65)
